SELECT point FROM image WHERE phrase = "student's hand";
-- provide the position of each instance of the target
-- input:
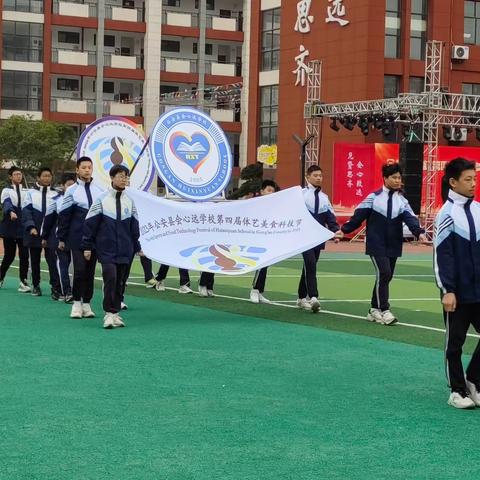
(34, 232)
(87, 254)
(61, 246)
(140, 253)
(422, 238)
(338, 236)
(449, 302)
(13, 216)
(44, 244)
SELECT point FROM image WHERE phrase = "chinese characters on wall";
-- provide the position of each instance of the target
(355, 175)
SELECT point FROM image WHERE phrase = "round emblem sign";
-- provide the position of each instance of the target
(191, 154)
(113, 141)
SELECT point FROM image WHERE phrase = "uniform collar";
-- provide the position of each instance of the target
(83, 183)
(114, 192)
(311, 187)
(458, 199)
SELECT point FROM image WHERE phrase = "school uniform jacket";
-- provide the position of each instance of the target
(9, 198)
(319, 206)
(76, 202)
(385, 212)
(37, 200)
(457, 248)
(111, 228)
(49, 227)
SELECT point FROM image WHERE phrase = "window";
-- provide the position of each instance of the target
(109, 41)
(21, 90)
(69, 37)
(417, 85)
(171, 3)
(271, 39)
(391, 85)
(418, 29)
(471, 22)
(166, 89)
(210, 4)
(22, 41)
(68, 84)
(128, 3)
(170, 46)
(108, 87)
(392, 29)
(208, 48)
(471, 88)
(30, 6)
(268, 115)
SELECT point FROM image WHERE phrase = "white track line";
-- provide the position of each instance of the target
(320, 275)
(367, 300)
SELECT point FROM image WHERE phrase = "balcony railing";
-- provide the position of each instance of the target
(113, 12)
(179, 65)
(79, 8)
(225, 69)
(179, 18)
(28, 6)
(22, 54)
(22, 103)
(234, 23)
(123, 61)
(72, 105)
(123, 109)
(67, 56)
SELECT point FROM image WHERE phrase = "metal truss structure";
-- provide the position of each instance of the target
(313, 124)
(431, 109)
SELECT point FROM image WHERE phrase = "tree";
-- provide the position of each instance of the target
(30, 144)
(253, 177)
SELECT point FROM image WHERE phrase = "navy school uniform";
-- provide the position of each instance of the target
(385, 211)
(13, 199)
(111, 227)
(318, 204)
(457, 270)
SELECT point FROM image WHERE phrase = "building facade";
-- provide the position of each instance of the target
(76, 61)
(369, 49)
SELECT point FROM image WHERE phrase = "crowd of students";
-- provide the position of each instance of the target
(80, 223)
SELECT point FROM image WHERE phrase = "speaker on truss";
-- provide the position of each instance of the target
(411, 161)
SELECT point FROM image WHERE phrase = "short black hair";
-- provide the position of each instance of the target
(44, 169)
(454, 169)
(118, 169)
(313, 168)
(391, 169)
(84, 159)
(67, 176)
(270, 183)
(14, 169)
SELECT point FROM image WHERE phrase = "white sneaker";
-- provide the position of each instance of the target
(473, 393)
(24, 288)
(254, 296)
(375, 315)
(264, 300)
(185, 289)
(76, 310)
(210, 293)
(457, 400)
(388, 318)
(304, 304)
(315, 304)
(160, 286)
(152, 283)
(108, 320)
(117, 321)
(124, 306)
(202, 291)
(87, 311)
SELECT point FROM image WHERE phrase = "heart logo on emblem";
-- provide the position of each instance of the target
(192, 150)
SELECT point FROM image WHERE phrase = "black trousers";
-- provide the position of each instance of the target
(384, 268)
(147, 268)
(114, 275)
(308, 281)
(35, 261)
(260, 279)
(64, 258)
(456, 325)
(9, 249)
(83, 276)
(163, 271)
(207, 279)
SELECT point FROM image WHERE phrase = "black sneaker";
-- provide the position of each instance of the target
(56, 295)
(69, 298)
(36, 292)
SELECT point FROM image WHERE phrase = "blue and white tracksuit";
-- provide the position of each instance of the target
(37, 201)
(111, 227)
(457, 270)
(12, 199)
(385, 211)
(321, 209)
(76, 202)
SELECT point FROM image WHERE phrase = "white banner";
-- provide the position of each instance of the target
(229, 238)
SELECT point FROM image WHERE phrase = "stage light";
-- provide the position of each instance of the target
(350, 122)
(447, 133)
(458, 134)
(388, 124)
(378, 122)
(363, 125)
(334, 125)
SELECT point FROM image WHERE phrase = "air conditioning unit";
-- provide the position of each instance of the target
(460, 52)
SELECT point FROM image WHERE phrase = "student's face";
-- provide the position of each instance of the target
(393, 182)
(315, 178)
(45, 179)
(16, 177)
(120, 181)
(84, 171)
(465, 185)
(67, 184)
(267, 190)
